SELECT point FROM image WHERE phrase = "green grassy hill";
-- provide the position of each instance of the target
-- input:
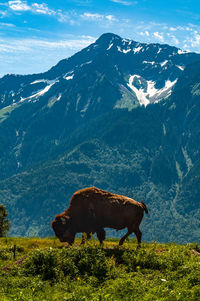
(44, 270)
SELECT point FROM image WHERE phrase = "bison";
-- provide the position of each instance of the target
(92, 209)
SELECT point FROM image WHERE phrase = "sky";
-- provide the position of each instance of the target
(35, 35)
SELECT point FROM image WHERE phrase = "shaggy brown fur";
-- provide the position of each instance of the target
(92, 209)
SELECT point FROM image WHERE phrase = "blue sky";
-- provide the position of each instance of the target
(35, 35)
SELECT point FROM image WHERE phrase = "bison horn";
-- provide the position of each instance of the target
(63, 220)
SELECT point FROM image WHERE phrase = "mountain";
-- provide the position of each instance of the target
(39, 111)
(120, 115)
(148, 70)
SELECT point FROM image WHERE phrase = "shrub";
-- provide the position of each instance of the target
(4, 254)
(86, 261)
(4, 222)
(42, 263)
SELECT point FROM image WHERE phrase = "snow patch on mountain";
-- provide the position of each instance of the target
(180, 51)
(59, 96)
(180, 67)
(39, 93)
(43, 81)
(110, 46)
(163, 63)
(124, 41)
(146, 92)
(123, 50)
(146, 62)
(119, 49)
(165, 91)
(140, 94)
(86, 63)
(137, 49)
(126, 50)
(69, 77)
(85, 107)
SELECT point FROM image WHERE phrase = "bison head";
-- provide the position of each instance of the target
(62, 228)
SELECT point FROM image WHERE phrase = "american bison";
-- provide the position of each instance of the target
(92, 209)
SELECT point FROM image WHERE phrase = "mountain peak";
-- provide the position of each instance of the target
(107, 37)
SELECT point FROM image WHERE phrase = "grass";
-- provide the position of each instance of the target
(44, 270)
(4, 113)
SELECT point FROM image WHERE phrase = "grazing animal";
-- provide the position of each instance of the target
(92, 209)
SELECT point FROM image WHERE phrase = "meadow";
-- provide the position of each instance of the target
(44, 269)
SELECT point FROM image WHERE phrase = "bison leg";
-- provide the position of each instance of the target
(101, 235)
(138, 234)
(71, 240)
(87, 237)
(124, 237)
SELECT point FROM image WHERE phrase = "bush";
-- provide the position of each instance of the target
(4, 222)
(42, 263)
(69, 262)
(4, 254)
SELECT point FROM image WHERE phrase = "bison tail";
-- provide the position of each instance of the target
(145, 207)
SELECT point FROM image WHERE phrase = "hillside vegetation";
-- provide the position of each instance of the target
(44, 270)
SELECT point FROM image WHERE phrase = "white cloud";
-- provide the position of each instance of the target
(172, 28)
(174, 39)
(111, 18)
(42, 9)
(72, 44)
(97, 17)
(7, 47)
(144, 33)
(92, 16)
(7, 24)
(191, 39)
(158, 36)
(123, 2)
(27, 56)
(19, 5)
(186, 37)
(63, 17)
(3, 14)
(195, 41)
(28, 45)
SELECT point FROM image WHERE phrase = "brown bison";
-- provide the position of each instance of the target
(92, 209)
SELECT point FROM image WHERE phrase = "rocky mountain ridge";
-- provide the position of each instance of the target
(145, 70)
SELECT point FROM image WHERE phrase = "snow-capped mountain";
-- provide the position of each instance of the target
(136, 73)
(110, 74)
(87, 122)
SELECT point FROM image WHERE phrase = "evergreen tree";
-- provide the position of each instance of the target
(4, 222)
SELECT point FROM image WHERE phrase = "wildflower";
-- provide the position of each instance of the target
(164, 280)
